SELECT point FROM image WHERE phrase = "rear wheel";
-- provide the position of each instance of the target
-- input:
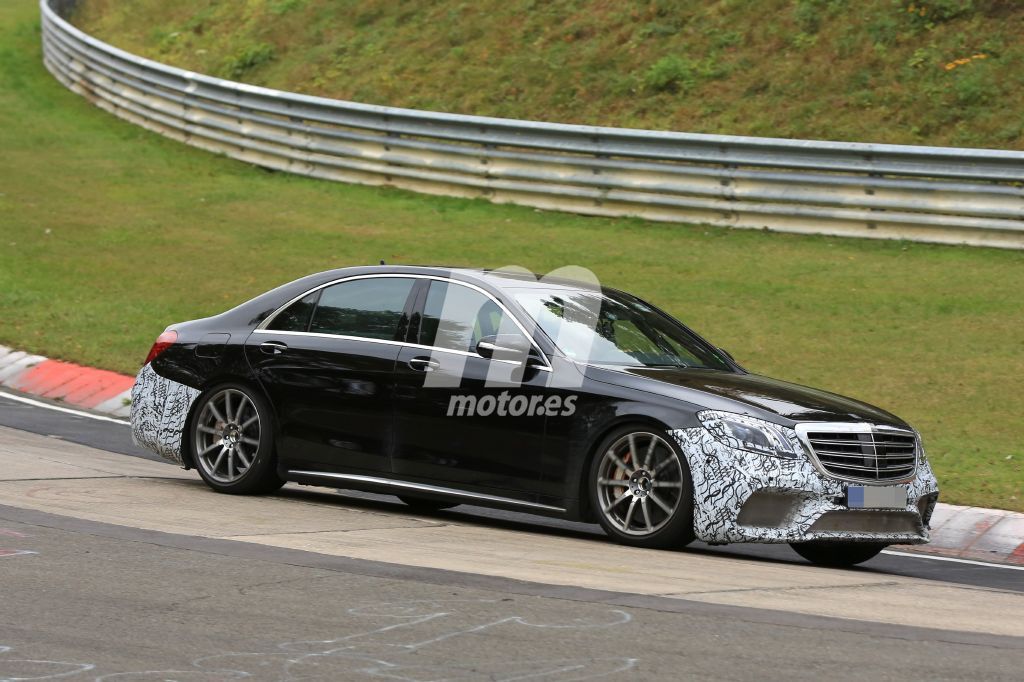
(232, 441)
(837, 554)
(641, 489)
(423, 504)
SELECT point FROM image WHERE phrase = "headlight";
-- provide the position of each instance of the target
(748, 433)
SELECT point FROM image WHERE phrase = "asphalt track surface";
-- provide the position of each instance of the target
(81, 599)
(104, 435)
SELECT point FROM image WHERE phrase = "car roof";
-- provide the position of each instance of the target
(498, 282)
(498, 278)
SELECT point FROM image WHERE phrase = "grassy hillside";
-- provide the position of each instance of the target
(108, 233)
(943, 72)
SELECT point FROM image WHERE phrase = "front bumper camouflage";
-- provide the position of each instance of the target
(741, 496)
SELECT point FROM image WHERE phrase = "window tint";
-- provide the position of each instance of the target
(368, 308)
(295, 318)
(456, 317)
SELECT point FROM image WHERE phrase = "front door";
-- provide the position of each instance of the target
(463, 419)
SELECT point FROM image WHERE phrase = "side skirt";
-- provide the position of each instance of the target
(396, 487)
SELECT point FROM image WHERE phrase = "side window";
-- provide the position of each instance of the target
(368, 308)
(295, 318)
(456, 317)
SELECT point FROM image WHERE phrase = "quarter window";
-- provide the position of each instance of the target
(367, 308)
(295, 318)
(457, 317)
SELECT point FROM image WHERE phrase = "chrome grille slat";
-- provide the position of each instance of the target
(862, 452)
(859, 467)
(853, 467)
(859, 455)
(869, 450)
(890, 443)
(859, 448)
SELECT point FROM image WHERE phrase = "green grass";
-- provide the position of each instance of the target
(108, 233)
(868, 70)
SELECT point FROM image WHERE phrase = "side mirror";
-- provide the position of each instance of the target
(504, 347)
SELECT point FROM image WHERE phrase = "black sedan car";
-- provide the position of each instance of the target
(446, 386)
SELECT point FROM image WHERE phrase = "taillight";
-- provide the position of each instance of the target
(162, 343)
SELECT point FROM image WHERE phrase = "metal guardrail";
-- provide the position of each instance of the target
(930, 194)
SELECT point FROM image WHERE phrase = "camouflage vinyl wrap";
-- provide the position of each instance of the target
(159, 410)
(725, 477)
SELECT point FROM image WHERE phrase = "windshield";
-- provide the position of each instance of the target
(612, 328)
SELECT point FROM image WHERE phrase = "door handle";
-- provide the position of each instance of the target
(273, 347)
(424, 364)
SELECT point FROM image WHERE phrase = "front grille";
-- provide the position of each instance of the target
(876, 455)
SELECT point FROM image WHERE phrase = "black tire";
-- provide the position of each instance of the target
(837, 554)
(425, 505)
(222, 442)
(661, 487)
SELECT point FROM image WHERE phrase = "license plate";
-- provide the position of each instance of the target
(876, 496)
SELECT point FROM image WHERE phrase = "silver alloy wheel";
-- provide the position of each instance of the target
(639, 483)
(227, 436)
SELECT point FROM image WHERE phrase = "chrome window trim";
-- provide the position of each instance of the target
(270, 318)
(422, 487)
(803, 428)
(389, 342)
(261, 328)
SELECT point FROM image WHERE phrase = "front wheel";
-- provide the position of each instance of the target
(837, 554)
(233, 442)
(641, 489)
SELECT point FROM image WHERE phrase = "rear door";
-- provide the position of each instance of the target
(327, 363)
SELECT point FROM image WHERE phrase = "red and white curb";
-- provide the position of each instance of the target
(975, 533)
(85, 387)
(964, 534)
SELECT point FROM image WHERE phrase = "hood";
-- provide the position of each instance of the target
(738, 392)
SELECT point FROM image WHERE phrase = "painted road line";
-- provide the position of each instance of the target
(933, 557)
(55, 408)
(294, 519)
(914, 555)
